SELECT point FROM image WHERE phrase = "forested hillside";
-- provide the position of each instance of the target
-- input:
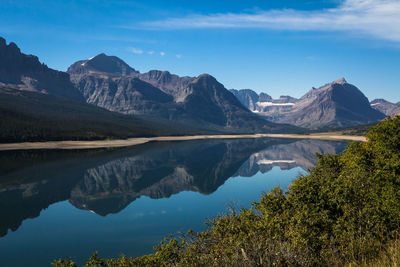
(32, 116)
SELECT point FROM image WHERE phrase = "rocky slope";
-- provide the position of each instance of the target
(336, 104)
(386, 107)
(198, 100)
(25, 72)
(248, 98)
(32, 116)
(169, 83)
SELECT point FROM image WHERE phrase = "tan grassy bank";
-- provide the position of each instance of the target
(137, 141)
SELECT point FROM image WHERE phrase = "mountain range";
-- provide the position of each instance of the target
(110, 83)
(333, 105)
(386, 107)
(103, 97)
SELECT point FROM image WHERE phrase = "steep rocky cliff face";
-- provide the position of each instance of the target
(211, 102)
(336, 104)
(124, 94)
(25, 72)
(248, 97)
(198, 100)
(169, 83)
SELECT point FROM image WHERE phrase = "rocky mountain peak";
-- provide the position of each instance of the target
(263, 97)
(338, 85)
(3, 45)
(102, 63)
(340, 81)
(108, 64)
(25, 72)
(248, 97)
(386, 107)
(13, 47)
(162, 77)
(335, 104)
(205, 78)
(158, 73)
(286, 99)
(9, 50)
(380, 101)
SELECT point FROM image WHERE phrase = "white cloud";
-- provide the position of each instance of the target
(150, 52)
(178, 56)
(162, 54)
(375, 18)
(136, 50)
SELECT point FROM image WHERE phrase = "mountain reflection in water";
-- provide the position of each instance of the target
(106, 181)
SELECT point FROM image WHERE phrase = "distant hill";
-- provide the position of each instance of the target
(334, 105)
(386, 107)
(201, 100)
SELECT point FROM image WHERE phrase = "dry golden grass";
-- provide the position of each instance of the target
(142, 140)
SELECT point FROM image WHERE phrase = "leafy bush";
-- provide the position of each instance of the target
(347, 209)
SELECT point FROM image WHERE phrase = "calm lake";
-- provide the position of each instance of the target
(124, 201)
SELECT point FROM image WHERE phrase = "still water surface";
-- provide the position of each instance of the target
(124, 201)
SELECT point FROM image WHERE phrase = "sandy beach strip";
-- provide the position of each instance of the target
(142, 140)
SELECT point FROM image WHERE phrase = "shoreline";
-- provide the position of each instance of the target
(142, 140)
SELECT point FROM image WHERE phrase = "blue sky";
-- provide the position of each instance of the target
(281, 47)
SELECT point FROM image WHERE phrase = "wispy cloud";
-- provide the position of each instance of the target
(178, 56)
(136, 50)
(375, 18)
(139, 51)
